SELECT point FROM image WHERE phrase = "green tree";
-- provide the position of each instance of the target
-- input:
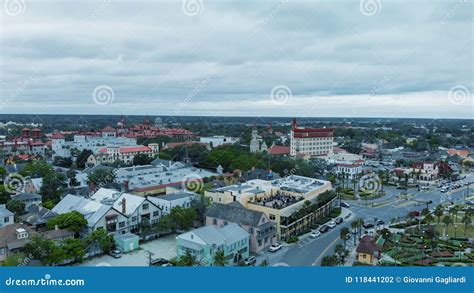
(467, 221)
(188, 260)
(142, 159)
(74, 249)
(36, 169)
(101, 177)
(340, 252)
(53, 186)
(101, 238)
(73, 221)
(329, 260)
(447, 220)
(71, 175)
(219, 259)
(14, 260)
(344, 234)
(439, 213)
(15, 206)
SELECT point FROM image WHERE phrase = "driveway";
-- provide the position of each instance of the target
(164, 247)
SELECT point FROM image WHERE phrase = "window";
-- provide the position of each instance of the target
(214, 222)
(121, 224)
(272, 217)
(6, 219)
(145, 206)
(134, 219)
(156, 214)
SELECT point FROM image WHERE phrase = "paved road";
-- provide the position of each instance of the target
(308, 251)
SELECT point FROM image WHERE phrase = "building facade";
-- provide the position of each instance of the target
(311, 142)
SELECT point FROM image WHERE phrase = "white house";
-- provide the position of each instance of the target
(170, 201)
(6, 217)
(218, 140)
(351, 169)
(97, 214)
(138, 210)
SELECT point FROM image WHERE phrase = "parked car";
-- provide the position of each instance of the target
(332, 224)
(345, 205)
(250, 261)
(324, 229)
(315, 234)
(470, 202)
(275, 247)
(158, 262)
(368, 225)
(339, 220)
(380, 222)
(116, 253)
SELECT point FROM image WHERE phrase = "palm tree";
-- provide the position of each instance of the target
(354, 225)
(428, 219)
(188, 260)
(219, 259)
(447, 220)
(344, 234)
(467, 221)
(439, 213)
(361, 222)
(454, 211)
(341, 253)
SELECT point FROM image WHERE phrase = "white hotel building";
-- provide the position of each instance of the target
(311, 142)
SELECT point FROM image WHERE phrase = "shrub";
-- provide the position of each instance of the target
(292, 239)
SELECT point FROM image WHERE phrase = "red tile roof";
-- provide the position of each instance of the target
(279, 150)
(108, 128)
(313, 132)
(134, 149)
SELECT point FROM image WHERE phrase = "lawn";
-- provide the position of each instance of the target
(441, 228)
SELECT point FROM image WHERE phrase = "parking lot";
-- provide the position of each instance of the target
(164, 247)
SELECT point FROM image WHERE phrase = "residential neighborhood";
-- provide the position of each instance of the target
(289, 194)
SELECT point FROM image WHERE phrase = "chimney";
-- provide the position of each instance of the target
(124, 205)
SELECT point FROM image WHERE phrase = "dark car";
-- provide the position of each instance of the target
(345, 205)
(324, 229)
(339, 220)
(368, 225)
(159, 262)
(380, 222)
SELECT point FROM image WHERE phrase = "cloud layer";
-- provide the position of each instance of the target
(224, 58)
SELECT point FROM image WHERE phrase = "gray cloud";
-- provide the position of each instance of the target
(403, 60)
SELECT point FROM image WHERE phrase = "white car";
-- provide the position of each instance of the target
(315, 234)
(332, 224)
(275, 247)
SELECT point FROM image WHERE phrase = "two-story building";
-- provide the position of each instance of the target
(206, 241)
(261, 230)
(167, 202)
(137, 209)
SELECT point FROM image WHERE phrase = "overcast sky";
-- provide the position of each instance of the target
(277, 58)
